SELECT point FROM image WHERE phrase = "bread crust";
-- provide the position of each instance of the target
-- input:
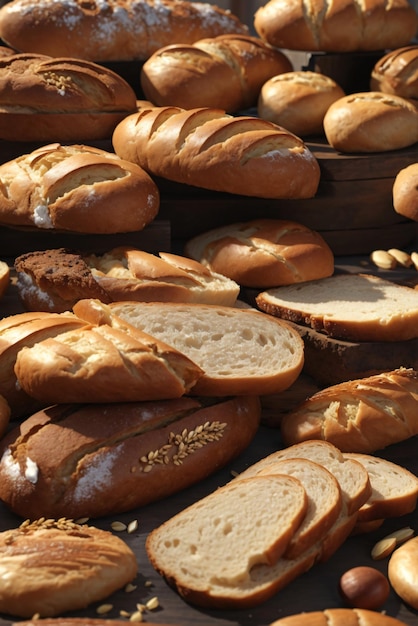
(97, 563)
(76, 188)
(404, 192)
(402, 572)
(397, 73)
(114, 30)
(139, 450)
(4, 277)
(209, 149)
(339, 617)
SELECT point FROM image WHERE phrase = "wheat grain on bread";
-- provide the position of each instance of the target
(339, 617)
(97, 564)
(355, 307)
(97, 460)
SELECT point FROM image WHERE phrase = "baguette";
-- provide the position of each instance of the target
(76, 188)
(336, 26)
(379, 310)
(207, 148)
(339, 617)
(114, 30)
(363, 415)
(232, 70)
(54, 280)
(240, 351)
(97, 460)
(404, 192)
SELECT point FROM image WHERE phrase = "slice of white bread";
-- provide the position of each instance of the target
(218, 539)
(355, 307)
(241, 351)
(394, 488)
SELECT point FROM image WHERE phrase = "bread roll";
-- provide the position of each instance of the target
(371, 122)
(298, 101)
(4, 277)
(264, 253)
(405, 192)
(95, 460)
(402, 572)
(339, 617)
(336, 26)
(54, 280)
(58, 566)
(76, 188)
(43, 99)
(232, 70)
(397, 73)
(113, 30)
(209, 149)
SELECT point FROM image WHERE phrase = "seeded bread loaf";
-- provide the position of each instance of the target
(97, 460)
(76, 188)
(207, 148)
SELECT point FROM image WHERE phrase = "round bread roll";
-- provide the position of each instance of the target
(371, 122)
(298, 101)
(405, 192)
(57, 566)
(403, 572)
(4, 277)
(264, 253)
(397, 73)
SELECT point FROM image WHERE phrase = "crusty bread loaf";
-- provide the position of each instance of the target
(405, 192)
(54, 280)
(58, 566)
(298, 101)
(44, 99)
(232, 70)
(208, 148)
(357, 307)
(336, 26)
(264, 253)
(402, 572)
(4, 277)
(114, 30)
(371, 122)
(96, 460)
(240, 351)
(339, 617)
(76, 188)
(5, 414)
(363, 415)
(397, 73)
(5, 51)
(105, 363)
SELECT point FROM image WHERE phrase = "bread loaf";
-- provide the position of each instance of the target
(207, 148)
(240, 351)
(371, 122)
(336, 26)
(339, 617)
(76, 188)
(362, 415)
(4, 277)
(356, 307)
(397, 73)
(405, 192)
(112, 30)
(231, 72)
(402, 572)
(263, 253)
(96, 460)
(58, 566)
(54, 280)
(44, 99)
(298, 101)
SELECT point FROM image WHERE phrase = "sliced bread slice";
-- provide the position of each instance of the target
(355, 307)
(241, 351)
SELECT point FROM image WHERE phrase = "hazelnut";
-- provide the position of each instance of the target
(364, 588)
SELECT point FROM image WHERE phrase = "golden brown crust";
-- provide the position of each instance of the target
(339, 617)
(54, 567)
(4, 277)
(403, 572)
(397, 73)
(76, 188)
(143, 452)
(405, 192)
(257, 157)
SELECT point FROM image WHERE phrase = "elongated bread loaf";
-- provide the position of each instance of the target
(112, 30)
(232, 70)
(76, 188)
(44, 99)
(239, 351)
(397, 73)
(405, 192)
(95, 460)
(402, 572)
(356, 307)
(339, 617)
(336, 26)
(54, 280)
(264, 253)
(363, 415)
(207, 148)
